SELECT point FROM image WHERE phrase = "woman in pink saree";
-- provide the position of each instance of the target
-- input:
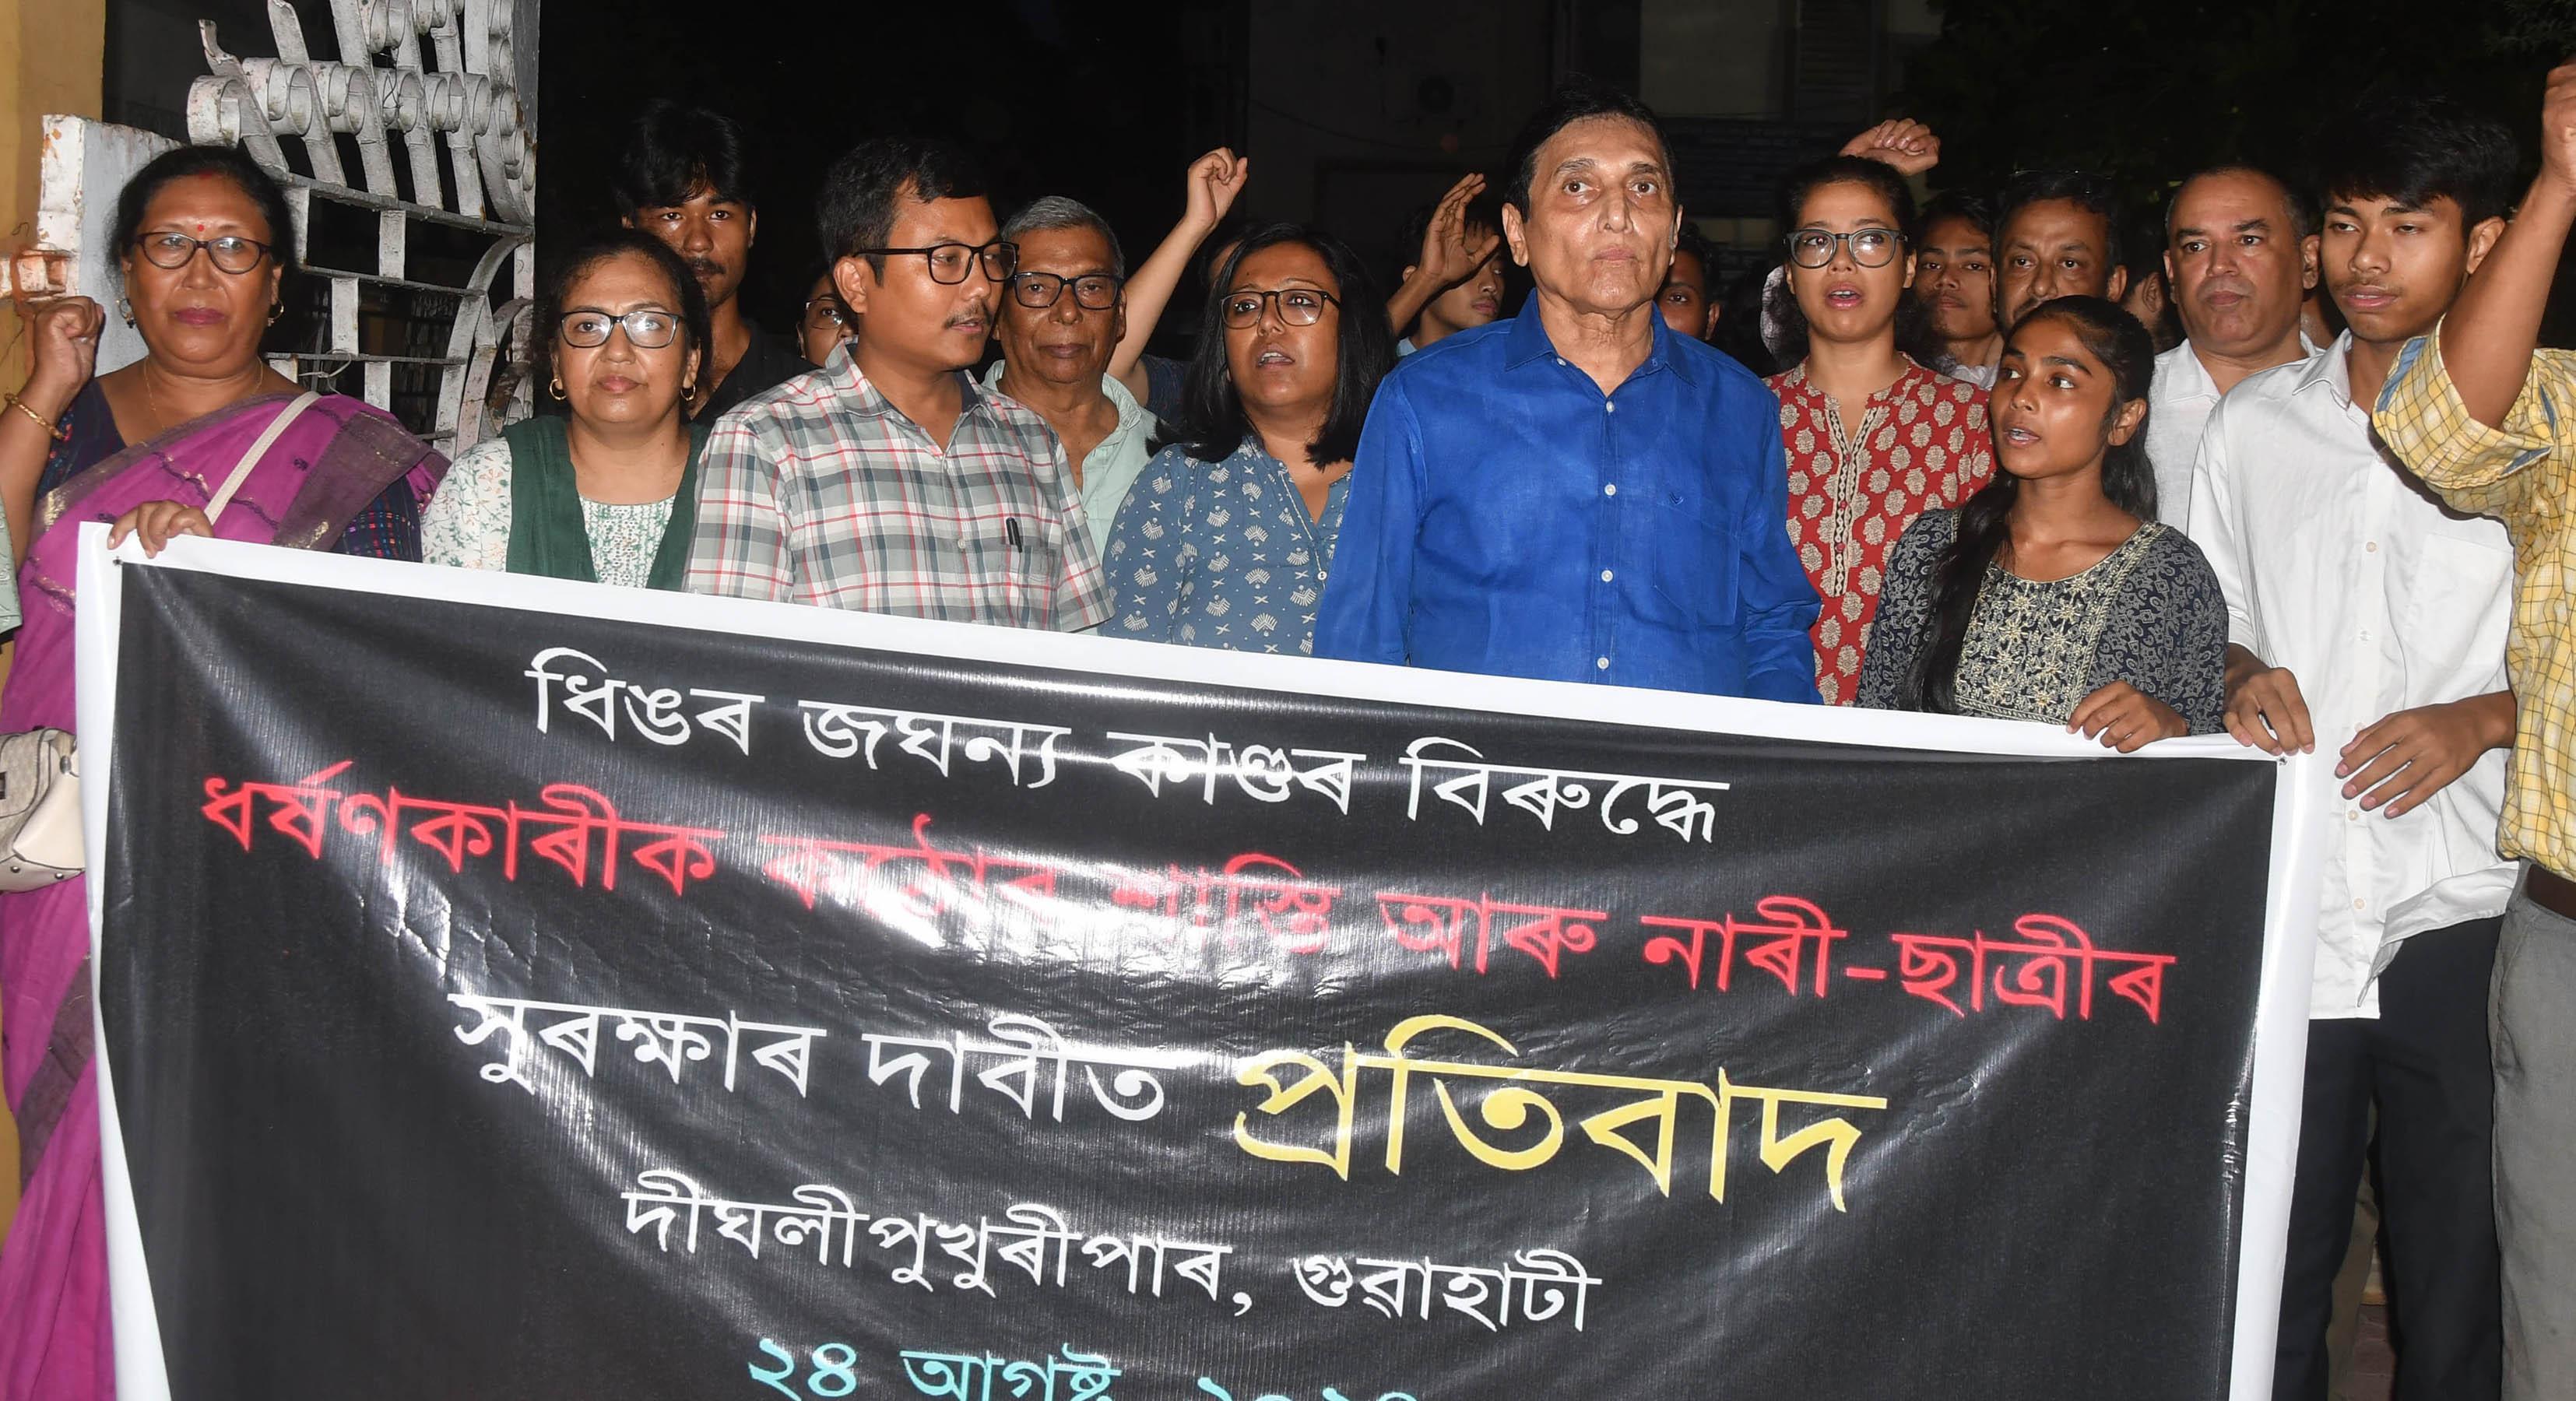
(207, 252)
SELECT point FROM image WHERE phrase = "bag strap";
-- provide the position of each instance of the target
(258, 449)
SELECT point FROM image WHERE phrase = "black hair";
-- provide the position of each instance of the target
(1913, 327)
(1739, 322)
(1957, 204)
(1880, 177)
(676, 152)
(1578, 99)
(1697, 245)
(2082, 189)
(696, 327)
(2303, 213)
(858, 203)
(2417, 149)
(2145, 249)
(1211, 423)
(2114, 337)
(232, 163)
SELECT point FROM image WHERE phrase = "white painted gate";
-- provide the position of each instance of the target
(408, 305)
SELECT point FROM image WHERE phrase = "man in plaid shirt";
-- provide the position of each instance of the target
(888, 481)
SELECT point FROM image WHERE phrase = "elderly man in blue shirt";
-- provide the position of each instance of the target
(1578, 493)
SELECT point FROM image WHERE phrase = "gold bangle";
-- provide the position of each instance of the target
(41, 421)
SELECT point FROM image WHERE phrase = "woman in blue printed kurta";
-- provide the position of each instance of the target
(1221, 554)
(1226, 539)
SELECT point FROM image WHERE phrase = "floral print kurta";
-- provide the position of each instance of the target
(1858, 479)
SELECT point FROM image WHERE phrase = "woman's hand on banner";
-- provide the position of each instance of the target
(2126, 718)
(157, 523)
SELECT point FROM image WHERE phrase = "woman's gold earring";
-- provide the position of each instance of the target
(275, 310)
(556, 389)
(125, 308)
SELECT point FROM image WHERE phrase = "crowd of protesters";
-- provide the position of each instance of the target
(2284, 464)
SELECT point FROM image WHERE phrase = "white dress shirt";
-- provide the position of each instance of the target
(2341, 568)
(2178, 404)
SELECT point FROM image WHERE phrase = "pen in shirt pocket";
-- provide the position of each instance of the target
(1011, 532)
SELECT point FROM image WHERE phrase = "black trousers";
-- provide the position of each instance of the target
(2424, 1063)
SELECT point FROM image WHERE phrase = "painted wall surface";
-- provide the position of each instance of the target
(50, 56)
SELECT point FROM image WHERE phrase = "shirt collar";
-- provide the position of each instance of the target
(2187, 378)
(1527, 341)
(2331, 368)
(1130, 413)
(2194, 376)
(851, 383)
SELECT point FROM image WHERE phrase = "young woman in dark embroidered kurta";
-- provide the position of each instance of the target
(2054, 595)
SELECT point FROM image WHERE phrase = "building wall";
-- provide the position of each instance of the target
(1361, 111)
(1697, 59)
(49, 63)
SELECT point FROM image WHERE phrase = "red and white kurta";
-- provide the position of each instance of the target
(1858, 476)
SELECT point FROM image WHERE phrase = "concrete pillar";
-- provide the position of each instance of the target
(51, 55)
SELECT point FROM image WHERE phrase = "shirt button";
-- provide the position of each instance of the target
(1560, 359)
(1601, 663)
(2353, 816)
(1611, 489)
(2372, 547)
(2358, 904)
(1605, 576)
(1322, 575)
(1608, 407)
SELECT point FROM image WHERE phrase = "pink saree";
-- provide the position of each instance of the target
(326, 468)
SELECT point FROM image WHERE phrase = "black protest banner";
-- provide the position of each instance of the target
(511, 1002)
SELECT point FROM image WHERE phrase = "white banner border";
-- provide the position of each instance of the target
(2281, 1015)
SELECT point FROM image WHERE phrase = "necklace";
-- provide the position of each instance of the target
(160, 420)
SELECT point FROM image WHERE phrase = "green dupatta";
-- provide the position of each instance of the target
(547, 535)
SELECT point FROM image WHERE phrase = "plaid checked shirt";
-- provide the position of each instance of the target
(2523, 474)
(820, 491)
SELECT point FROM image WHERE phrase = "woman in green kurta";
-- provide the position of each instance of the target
(605, 492)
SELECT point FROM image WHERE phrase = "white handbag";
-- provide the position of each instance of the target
(40, 802)
(40, 811)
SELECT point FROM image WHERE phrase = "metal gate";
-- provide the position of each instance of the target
(405, 304)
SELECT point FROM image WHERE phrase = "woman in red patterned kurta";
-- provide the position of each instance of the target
(1874, 439)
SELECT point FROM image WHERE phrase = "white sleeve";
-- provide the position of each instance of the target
(2216, 530)
(467, 525)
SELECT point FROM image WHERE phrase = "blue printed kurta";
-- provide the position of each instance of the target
(1221, 554)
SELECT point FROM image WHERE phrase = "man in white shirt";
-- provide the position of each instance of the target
(2364, 617)
(2241, 251)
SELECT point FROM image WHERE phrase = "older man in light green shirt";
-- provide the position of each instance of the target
(1060, 320)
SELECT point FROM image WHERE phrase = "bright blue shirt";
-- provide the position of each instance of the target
(1220, 554)
(1506, 517)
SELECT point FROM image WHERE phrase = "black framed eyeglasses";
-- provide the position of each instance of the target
(1871, 248)
(646, 328)
(1040, 290)
(1298, 306)
(950, 262)
(231, 253)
